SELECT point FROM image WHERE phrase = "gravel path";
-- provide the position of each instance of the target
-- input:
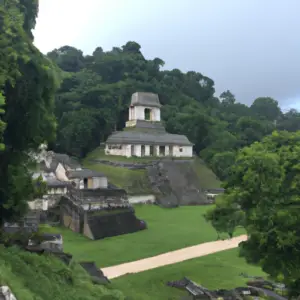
(172, 257)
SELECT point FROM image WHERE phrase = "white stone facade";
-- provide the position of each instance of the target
(38, 204)
(92, 183)
(149, 150)
(146, 113)
(141, 199)
(57, 190)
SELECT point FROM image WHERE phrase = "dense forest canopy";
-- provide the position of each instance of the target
(262, 195)
(94, 96)
(27, 87)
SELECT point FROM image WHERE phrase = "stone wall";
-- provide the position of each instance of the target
(150, 125)
(137, 165)
(100, 196)
(71, 214)
(145, 199)
(138, 113)
(44, 204)
(114, 222)
(127, 165)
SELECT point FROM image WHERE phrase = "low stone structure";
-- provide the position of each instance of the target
(142, 199)
(87, 179)
(28, 224)
(60, 172)
(98, 213)
(82, 199)
(145, 135)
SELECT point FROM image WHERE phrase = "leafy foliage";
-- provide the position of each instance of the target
(94, 96)
(27, 87)
(39, 187)
(43, 277)
(262, 194)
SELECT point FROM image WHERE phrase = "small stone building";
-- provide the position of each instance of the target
(87, 179)
(145, 134)
(98, 213)
(82, 199)
(60, 171)
(52, 164)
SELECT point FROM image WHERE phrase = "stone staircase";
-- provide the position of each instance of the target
(175, 183)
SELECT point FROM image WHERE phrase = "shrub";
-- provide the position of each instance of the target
(44, 277)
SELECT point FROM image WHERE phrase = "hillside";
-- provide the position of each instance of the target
(133, 181)
(34, 277)
(137, 181)
(95, 91)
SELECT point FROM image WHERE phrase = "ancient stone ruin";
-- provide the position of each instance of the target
(145, 134)
(82, 199)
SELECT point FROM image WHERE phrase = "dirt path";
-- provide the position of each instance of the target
(172, 257)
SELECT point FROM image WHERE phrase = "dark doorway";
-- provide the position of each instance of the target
(151, 150)
(132, 150)
(147, 113)
(143, 150)
(161, 150)
(131, 113)
(85, 183)
(171, 150)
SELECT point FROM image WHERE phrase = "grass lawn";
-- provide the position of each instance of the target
(44, 277)
(215, 271)
(133, 181)
(208, 179)
(168, 229)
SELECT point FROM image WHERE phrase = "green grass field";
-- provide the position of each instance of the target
(133, 181)
(215, 271)
(207, 178)
(42, 277)
(168, 229)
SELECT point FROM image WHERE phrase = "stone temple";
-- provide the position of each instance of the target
(145, 135)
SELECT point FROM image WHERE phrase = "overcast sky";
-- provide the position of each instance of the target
(251, 47)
